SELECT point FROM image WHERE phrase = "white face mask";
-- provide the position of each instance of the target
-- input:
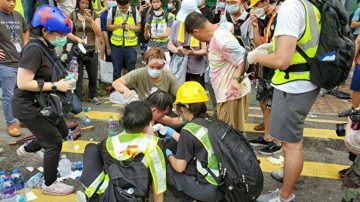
(157, 13)
(154, 73)
(259, 12)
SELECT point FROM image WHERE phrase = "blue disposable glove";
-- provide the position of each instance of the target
(169, 132)
(168, 153)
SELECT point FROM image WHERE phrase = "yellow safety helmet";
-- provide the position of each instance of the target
(191, 92)
(253, 2)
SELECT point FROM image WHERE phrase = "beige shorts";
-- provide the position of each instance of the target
(234, 112)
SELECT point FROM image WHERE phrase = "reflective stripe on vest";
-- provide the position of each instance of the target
(96, 5)
(201, 133)
(119, 35)
(94, 185)
(104, 185)
(158, 26)
(308, 42)
(125, 146)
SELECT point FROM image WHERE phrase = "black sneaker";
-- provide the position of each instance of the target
(343, 172)
(259, 142)
(271, 149)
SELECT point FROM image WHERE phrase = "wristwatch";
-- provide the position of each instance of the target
(53, 86)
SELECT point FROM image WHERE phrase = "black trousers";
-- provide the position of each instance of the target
(90, 63)
(49, 137)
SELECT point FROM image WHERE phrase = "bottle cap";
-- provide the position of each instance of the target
(14, 171)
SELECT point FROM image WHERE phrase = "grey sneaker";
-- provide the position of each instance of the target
(37, 156)
(274, 197)
(57, 188)
(95, 101)
(278, 175)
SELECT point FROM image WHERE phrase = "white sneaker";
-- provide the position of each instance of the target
(37, 156)
(57, 188)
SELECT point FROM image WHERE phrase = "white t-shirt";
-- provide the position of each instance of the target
(67, 6)
(291, 22)
(245, 28)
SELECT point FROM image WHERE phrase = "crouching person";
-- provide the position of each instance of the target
(187, 172)
(351, 186)
(125, 166)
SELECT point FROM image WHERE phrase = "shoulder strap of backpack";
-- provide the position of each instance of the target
(133, 12)
(74, 17)
(113, 13)
(166, 16)
(228, 17)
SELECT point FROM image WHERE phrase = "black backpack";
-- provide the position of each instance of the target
(336, 41)
(241, 178)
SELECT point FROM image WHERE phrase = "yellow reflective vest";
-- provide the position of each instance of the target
(308, 43)
(201, 133)
(123, 37)
(125, 146)
(19, 8)
(96, 5)
(159, 25)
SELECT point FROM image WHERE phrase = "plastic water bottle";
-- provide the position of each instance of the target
(70, 139)
(111, 127)
(1, 190)
(2, 174)
(21, 198)
(64, 166)
(9, 190)
(35, 181)
(74, 69)
(78, 165)
(85, 119)
(130, 191)
(17, 179)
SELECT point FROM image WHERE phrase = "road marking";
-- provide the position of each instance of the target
(249, 127)
(308, 132)
(307, 119)
(311, 169)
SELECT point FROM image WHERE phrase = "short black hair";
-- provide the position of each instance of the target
(123, 2)
(193, 21)
(137, 115)
(196, 109)
(161, 100)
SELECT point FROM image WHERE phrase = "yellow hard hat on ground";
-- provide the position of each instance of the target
(253, 2)
(191, 92)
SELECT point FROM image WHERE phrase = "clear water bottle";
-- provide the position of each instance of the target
(85, 119)
(70, 139)
(1, 190)
(74, 69)
(2, 174)
(9, 190)
(64, 166)
(17, 179)
(111, 127)
(35, 181)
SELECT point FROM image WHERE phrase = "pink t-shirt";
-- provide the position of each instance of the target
(225, 55)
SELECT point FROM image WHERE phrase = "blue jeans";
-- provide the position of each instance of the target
(7, 83)
(122, 57)
(76, 104)
(29, 8)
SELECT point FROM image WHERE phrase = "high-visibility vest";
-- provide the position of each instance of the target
(124, 38)
(308, 43)
(201, 133)
(19, 7)
(96, 5)
(125, 146)
(159, 26)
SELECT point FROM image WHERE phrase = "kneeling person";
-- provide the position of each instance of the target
(117, 169)
(184, 174)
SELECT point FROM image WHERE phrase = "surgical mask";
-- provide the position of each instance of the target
(232, 8)
(221, 5)
(59, 41)
(112, 4)
(154, 73)
(170, 7)
(259, 12)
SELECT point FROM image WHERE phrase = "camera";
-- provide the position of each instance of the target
(355, 118)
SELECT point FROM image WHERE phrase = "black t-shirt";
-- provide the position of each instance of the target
(189, 148)
(33, 59)
(207, 12)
